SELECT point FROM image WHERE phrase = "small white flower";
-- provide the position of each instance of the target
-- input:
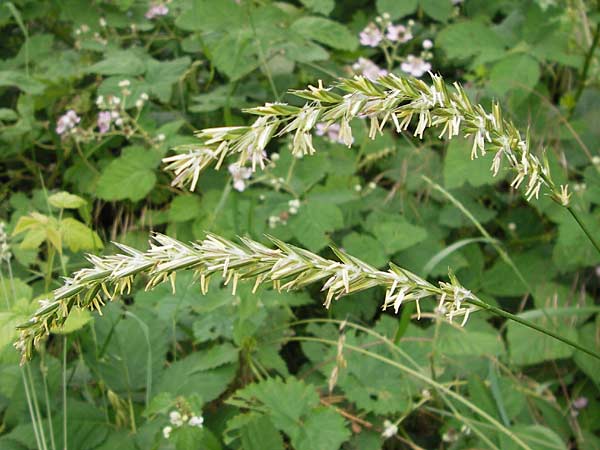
(415, 66)
(139, 103)
(358, 188)
(275, 156)
(372, 185)
(175, 418)
(144, 96)
(427, 44)
(368, 69)
(398, 33)
(102, 22)
(273, 221)
(239, 174)
(371, 36)
(167, 431)
(100, 101)
(160, 137)
(295, 203)
(389, 429)
(512, 226)
(196, 421)
(596, 160)
(124, 83)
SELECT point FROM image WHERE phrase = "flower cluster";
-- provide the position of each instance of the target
(112, 110)
(287, 267)
(178, 420)
(67, 123)
(157, 10)
(391, 99)
(384, 31)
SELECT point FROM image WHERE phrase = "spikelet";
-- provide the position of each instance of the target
(286, 266)
(400, 101)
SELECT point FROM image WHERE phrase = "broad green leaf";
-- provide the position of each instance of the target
(195, 375)
(10, 78)
(133, 350)
(259, 434)
(397, 9)
(501, 280)
(326, 32)
(438, 9)
(465, 39)
(589, 337)
(320, 6)
(366, 247)
(324, 429)
(397, 235)
(185, 207)
(130, 176)
(536, 437)
(460, 169)
(161, 75)
(78, 318)
(312, 223)
(65, 200)
(465, 342)
(502, 75)
(78, 236)
(218, 98)
(271, 393)
(120, 62)
(521, 341)
(8, 115)
(18, 313)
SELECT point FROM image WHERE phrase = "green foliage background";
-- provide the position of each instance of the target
(242, 361)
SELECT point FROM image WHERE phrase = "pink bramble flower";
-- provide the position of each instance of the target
(157, 10)
(331, 131)
(368, 69)
(104, 120)
(398, 33)
(67, 122)
(371, 36)
(415, 66)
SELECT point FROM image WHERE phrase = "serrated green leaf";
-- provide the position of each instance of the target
(120, 62)
(319, 6)
(65, 200)
(130, 176)
(312, 223)
(325, 31)
(460, 169)
(185, 207)
(397, 9)
(78, 236)
(324, 429)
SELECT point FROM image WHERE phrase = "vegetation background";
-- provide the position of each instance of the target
(93, 94)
